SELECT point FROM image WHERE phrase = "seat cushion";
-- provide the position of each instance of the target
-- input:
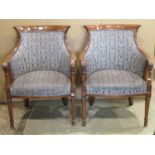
(41, 83)
(115, 82)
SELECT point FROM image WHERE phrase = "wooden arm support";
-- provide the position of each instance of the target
(84, 80)
(73, 73)
(8, 79)
(148, 75)
(83, 67)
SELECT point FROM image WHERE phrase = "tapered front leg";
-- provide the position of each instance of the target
(84, 111)
(148, 79)
(10, 110)
(84, 92)
(73, 110)
(9, 79)
(147, 104)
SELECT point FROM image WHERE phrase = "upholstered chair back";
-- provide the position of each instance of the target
(114, 49)
(40, 50)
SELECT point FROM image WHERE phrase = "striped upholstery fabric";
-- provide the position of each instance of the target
(115, 82)
(41, 83)
(41, 51)
(114, 50)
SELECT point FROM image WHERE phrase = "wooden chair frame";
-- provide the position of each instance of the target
(147, 72)
(9, 78)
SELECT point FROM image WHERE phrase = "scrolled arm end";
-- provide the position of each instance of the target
(5, 65)
(149, 65)
(149, 61)
(73, 60)
(82, 59)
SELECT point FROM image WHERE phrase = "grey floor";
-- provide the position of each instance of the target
(104, 117)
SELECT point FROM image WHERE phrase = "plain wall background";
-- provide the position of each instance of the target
(76, 36)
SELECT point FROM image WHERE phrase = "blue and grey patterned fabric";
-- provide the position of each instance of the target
(41, 83)
(41, 51)
(114, 50)
(115, 82)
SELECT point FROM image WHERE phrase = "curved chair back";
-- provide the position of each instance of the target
(41, 48)
(114, 47)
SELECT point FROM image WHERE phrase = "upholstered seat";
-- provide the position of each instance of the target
(115, 82)
(41, 83)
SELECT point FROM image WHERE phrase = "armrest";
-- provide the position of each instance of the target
(7, 71)
(148, 67)
(73, 59)
(8, 57)
(73, 73)
(6, 65)
(82, 59)
(147, 56)
(83, 76)
(148, 71)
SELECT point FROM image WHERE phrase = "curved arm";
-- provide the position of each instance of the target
(83, 52)
(7, 67)
(149, 60)
(7, 59)
(72, 55)
(7, 71)
(147, 56)
(147, 70)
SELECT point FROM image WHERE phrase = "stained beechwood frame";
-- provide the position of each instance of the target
(147, 76)
(9, 78)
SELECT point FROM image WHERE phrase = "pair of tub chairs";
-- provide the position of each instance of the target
(43, 66)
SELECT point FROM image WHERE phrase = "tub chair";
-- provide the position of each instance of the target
(113, 65)
(41, 66)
